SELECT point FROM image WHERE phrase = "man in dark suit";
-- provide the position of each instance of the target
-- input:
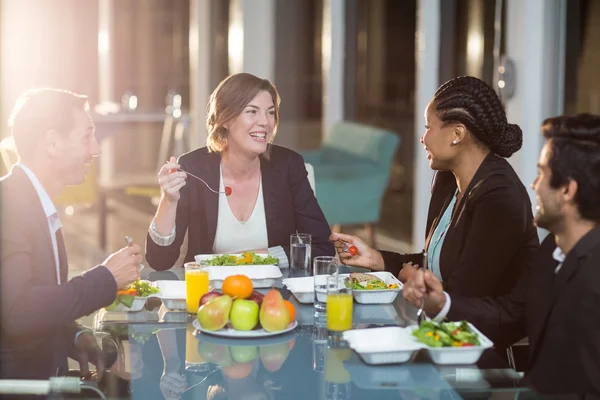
(54, 135)
(557, 301)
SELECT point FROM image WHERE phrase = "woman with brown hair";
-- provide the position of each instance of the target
(268, 193)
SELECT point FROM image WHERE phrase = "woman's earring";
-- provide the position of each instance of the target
(454, 142)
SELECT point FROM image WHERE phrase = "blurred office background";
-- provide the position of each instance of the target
(149, 66)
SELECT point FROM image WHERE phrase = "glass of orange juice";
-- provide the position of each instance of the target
(339, 307)
(196, 285)
(193, 359)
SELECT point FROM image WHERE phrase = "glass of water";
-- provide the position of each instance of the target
(300, 251)
(323, 268)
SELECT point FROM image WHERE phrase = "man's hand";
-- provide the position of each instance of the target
(172, 383)
(425, 284)
(136, 364)
(87, 350)
(124, 265)
(407, 272)
(366, 256)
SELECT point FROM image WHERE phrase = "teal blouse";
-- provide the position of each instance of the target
(437, 240)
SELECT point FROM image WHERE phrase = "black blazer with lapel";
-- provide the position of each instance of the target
(290, 207)
(560, 313)
(491, 237)
(38, 315)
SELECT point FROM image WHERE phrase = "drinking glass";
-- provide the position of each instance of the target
(196, 285)
(300, 250)
(323, 267)
(339, 307)
(193, 360)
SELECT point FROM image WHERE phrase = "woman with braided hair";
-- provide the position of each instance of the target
(480, 232)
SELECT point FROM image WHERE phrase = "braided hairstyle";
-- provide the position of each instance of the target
(473, 103)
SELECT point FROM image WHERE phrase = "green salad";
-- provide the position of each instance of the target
(137, 288)
(246, 258)
(446, 334)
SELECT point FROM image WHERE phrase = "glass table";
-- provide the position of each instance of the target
(159, 355)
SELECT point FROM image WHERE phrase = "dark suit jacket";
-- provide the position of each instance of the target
(38, 315)
(491, 237)
(560, 313)
(290, 207)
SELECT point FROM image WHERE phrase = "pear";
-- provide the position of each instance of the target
(215, 314)
(274, 355)
(274, 315)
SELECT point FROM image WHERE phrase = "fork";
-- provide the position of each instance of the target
(420, 313)
(226, 192)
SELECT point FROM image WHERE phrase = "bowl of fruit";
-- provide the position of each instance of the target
(238, 311)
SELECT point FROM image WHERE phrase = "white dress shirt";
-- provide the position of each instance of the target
(558, 255)
(54, 223)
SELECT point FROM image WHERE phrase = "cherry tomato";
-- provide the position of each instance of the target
(353, 250)
(227, 191)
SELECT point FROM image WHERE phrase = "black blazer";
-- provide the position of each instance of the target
(560, 313)
(38, 315)
(491, 237)
(290, 207)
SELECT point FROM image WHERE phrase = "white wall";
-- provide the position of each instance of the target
(535, 43)
(428, 54)
(334, 15)
(252, 37)
(200, 90)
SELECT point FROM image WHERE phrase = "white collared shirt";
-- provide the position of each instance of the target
(559, 256)
(54, 223)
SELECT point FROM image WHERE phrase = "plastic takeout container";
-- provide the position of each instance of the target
(262, 276)
(456, 355)
(391, 345)
(303, 289)
(387, 345)
(138, 302)
(383, 296)
(172, 294)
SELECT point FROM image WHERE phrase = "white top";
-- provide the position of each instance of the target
(54, 223)
(231, 233)
(233, 236)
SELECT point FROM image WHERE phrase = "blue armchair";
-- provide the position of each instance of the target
(352, 169)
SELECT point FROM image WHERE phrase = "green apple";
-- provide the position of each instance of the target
(242, 354)
(244, 315)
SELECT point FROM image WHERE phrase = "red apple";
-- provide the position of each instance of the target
(208, 297)
(256, 297)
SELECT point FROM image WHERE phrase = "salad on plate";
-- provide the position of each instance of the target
(360, 281)
(137, 288)
(446, 334)
(246, 258)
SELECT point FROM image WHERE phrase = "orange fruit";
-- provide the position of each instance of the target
(291, 310)
(238, 286)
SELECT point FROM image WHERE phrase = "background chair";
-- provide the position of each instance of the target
(352, 169)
